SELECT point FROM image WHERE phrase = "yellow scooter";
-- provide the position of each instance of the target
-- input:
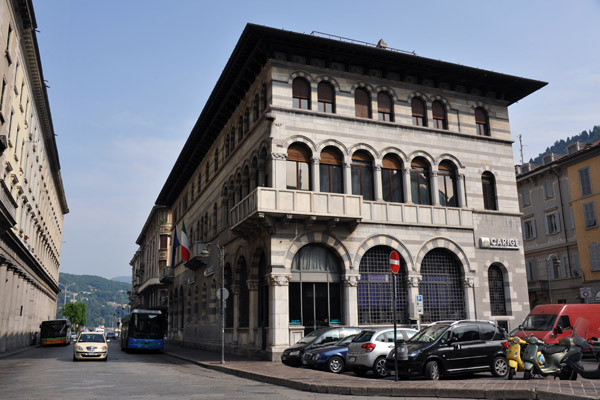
(513, 356)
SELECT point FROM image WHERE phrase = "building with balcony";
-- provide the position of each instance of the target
(315, 157)
(32, 198)
(549, 234)
(584, 184)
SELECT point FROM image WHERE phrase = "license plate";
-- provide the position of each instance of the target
(352, 359)
(91, 354)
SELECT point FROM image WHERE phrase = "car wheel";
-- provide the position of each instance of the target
(527, 375)
(359, 372)
(500, 367)
(379, 368)
(511, 373)
(432, 370)
(335, 364)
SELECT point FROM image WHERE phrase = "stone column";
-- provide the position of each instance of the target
(460, 190)
(413, 291)
(5, 295)
(351, 299)
(435, 197)
(279, 310)
(253, 317)
(315, 177)
(12, 313)
(278, 170)
(406, 184)
(235, 292)
(377, 182)
(469, 293)
(347, 177)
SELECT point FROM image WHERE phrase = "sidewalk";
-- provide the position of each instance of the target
(317, 381)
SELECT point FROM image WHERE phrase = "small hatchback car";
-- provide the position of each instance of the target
(320, 337)
(330, 357)
(368, 350)
(453, 348)
(90, 346)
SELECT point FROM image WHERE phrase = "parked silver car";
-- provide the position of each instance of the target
(368, 350)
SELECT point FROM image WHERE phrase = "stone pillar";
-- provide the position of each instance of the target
(351, 299)
(253, 317)
(435, 197)
(5, 293)
(347, 177)
(413, 291)
(235, 292)
(279, 317)
(377, 183)
(469, 293)
(315, 177)
(13, 311)
(460, 190)
(261, 174)
(278, 170)
(406, 184)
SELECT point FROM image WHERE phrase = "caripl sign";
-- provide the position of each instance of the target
(394, 262)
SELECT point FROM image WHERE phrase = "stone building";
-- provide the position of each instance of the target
(316, 156)
(32, 198)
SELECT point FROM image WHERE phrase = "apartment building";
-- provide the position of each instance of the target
(315, 157)
(32, 197)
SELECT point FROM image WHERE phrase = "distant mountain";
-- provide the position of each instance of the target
(560, 146)
(104, 298)
(126, 279)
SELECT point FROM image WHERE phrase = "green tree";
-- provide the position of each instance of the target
(77, 314)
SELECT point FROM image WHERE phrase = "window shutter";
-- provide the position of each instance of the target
(439, 112)
(480, 116)
(546, 224)
(391, 162)
(384, 103)
(361, 103)
(325, 92)
(418, 109)
(300, 88)
(557, 221)
(534, 228)
(331, 156)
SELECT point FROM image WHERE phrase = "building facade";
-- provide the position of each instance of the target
(32, 198)
(313, 159)
(549, 235)
(584, 178)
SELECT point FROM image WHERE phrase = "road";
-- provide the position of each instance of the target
(50, 373)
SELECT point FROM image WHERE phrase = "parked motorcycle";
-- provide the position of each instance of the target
(545, 360)
(573, 358)
(514, 356)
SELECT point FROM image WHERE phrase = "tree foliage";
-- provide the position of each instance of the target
(560, 146)
(76, 312)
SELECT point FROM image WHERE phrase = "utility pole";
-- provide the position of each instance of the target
(521, 148)
(65, 287)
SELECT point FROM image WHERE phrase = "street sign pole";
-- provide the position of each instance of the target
(395, 267)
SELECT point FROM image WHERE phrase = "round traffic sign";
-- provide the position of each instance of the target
(394, 262)
(222, 292)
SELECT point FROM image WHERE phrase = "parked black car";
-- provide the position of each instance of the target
(331, 357)
(453, 348)
(293, 355)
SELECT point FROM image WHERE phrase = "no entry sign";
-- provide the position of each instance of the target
(394, 262)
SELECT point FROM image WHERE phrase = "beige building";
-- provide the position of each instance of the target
(313, 159)
(32, 198)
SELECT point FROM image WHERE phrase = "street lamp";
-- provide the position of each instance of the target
(222, 294)
(65, 287)
(555, 263)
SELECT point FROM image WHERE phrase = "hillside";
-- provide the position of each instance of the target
(103, 297)
(560, 146)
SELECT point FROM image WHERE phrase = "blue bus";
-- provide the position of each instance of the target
(143, 330)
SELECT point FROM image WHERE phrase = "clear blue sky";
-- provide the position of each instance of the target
(128, 79)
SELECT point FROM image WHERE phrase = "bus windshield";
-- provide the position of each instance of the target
(147, 326)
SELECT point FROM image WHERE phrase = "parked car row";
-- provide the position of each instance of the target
(441, 349)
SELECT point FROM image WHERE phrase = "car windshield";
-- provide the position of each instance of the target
(86, 337)
(539, 322)
(311, 337)
(429, 334)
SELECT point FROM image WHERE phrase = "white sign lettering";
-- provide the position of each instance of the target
(498, 243)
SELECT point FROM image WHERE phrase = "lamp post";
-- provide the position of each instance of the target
(65, 287)
(222, 294)
(555, 262)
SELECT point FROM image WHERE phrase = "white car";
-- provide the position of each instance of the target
(90, 346)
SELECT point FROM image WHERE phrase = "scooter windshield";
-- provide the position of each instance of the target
(581, 328)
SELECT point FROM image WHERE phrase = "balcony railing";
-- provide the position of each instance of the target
(416, 214)
(166, 275)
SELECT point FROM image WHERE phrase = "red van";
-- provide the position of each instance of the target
(551, 322)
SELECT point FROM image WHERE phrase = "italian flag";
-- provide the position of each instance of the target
(185, 247)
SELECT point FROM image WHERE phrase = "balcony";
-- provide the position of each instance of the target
(8, 208)
(166, 275)
(196, 261)
(416, 214)
(260, 209)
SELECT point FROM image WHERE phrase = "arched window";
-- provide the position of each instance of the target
(331, 177)
(244, 308)
(418, 112)
(376, 290)
(240, 128)
(440, 121)
(419, 182)
(181, 309)
(229, 301)
(488, 183)
(497, 297)
(216, 160)
(442, 287)
(189, 306)
(204, 302)
(255, 110)
(385, 107)
(232, 139)
(362, 175)
(196, 300)
(206, 173)
(263, 98)
(246, 120)
(301, 94)
(362, 103)
(482, 122)
(298, 167)
(215, 219)
(391, 179)
(326, 97)
(226, 147)
(315, 295)
(594, 250)
(447, 185)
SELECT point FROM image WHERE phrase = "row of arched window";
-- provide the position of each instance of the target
(301, 99)
(419, 176)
